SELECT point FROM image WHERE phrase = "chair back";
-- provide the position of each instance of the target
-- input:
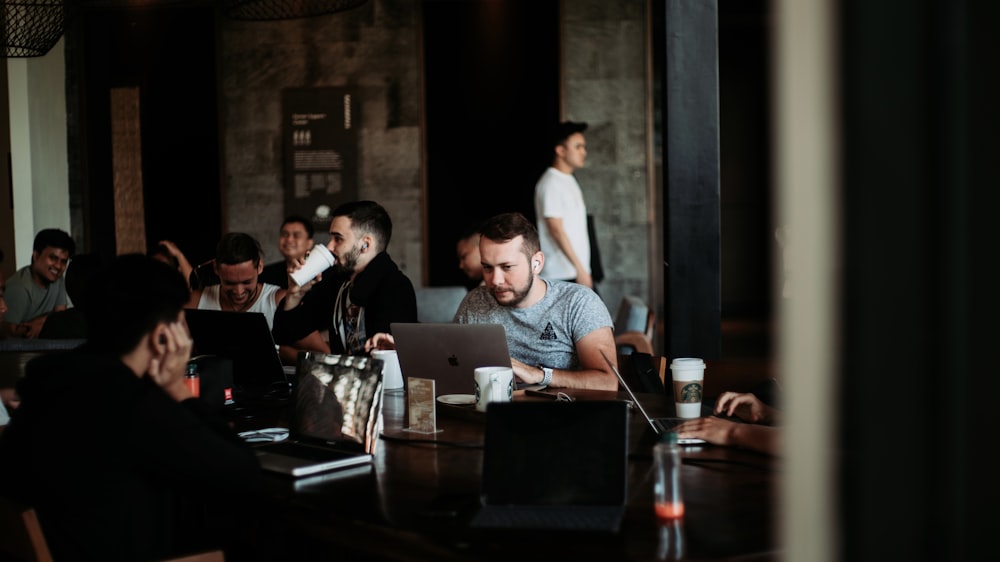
(438, 304)
(634, 326)
(21, 536)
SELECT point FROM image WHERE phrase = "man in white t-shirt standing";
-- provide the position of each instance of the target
(561, 211)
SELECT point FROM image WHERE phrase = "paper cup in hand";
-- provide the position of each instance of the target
(319, 260)
(493, 384)
(392, 377)
(688, 375)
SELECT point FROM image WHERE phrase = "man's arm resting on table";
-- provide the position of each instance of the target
(593, 374)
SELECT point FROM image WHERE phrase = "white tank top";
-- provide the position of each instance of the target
(266, 303)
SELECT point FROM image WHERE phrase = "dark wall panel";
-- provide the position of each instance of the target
(492, 89)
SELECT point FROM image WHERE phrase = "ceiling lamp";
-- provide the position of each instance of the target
(285, 9)
(30, 28)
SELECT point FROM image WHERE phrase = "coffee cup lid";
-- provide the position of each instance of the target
(687, 363)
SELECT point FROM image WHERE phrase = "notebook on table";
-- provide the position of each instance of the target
(449, 353)
(245, 338)
(554, 466)
(336, 404)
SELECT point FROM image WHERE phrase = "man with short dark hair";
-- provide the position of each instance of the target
(556, 330)
(467, 251)
(109, 445)
(365, 291)
(238, 264)
(560, 210)
(71, 323)
(37, 289)
(295, 239)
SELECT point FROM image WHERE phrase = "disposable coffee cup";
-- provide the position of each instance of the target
(392, 376)
(319, 260)
(688, 374)
(493, 384)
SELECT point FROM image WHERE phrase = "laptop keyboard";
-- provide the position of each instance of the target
(575, 518)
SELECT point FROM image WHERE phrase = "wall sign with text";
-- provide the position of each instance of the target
(321, 151)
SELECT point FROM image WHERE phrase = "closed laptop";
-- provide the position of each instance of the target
(554, 466)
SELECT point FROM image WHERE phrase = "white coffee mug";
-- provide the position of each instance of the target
(392, 376)
(319, 260)
(493, 384)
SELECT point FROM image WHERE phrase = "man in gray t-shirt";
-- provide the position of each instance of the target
(556, 330)
(37, 289)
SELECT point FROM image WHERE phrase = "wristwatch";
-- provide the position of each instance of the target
(547, 378)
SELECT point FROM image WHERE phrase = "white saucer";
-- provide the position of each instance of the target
(459, 399)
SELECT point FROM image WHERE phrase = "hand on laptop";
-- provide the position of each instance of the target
(718, 431)
(747, 407)
(527, 374)
(380, 340)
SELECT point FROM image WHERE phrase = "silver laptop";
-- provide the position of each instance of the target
(659, 425)
(335, 411)
(449, 353)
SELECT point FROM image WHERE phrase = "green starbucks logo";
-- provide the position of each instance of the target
(691, 392)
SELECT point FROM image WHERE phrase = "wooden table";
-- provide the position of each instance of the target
(416, 500)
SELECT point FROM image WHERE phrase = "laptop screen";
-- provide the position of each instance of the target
(337, 399)
(449, 353)
(556, 453)
(245, 338)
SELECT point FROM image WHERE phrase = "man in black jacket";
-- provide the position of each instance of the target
(365, 292)
(108, 444)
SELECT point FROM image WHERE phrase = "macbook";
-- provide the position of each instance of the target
(335, 410)
(245, 338)
(553, 466)
(449, 353)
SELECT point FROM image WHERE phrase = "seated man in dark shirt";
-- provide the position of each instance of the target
(119, 459)
(362, 294)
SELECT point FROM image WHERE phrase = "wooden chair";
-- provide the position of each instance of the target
(22, 539)
(21, 536)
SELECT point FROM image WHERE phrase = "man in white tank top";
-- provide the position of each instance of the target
(238, 263)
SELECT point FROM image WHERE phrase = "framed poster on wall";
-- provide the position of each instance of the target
(321, 151)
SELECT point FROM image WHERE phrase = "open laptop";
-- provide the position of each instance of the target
(554, 466)
(659, 425)
(449, 353)
(335, 411)
(245, 338)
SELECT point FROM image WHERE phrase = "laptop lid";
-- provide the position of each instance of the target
(556, 455)
(449, 353)
(335, 409)
(659, 425)
(245, 338)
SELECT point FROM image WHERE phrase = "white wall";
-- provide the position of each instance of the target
(39, 167)
(807, 175)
